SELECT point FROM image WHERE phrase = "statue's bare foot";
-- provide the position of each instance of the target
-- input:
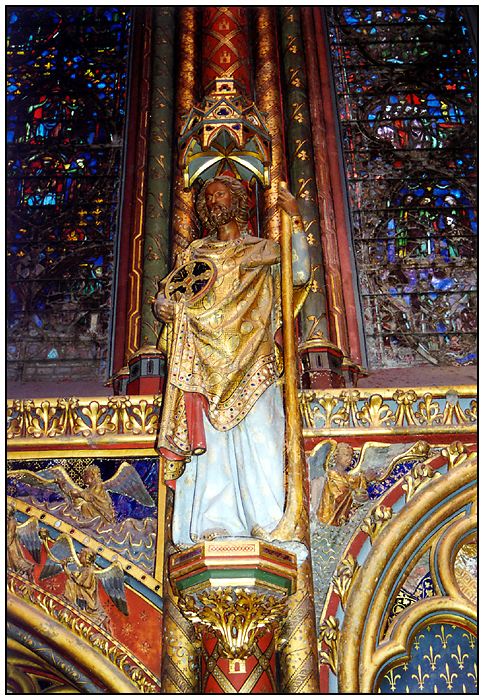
(214, 533)
(261, 534)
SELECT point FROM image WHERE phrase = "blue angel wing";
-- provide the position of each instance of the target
(63, 548)
(45, 479)
(28, 534)
(112, 579)
(127, 482)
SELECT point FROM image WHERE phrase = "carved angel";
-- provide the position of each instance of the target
(93, 500)
(343, 490)
(83, 577)
(26, 534)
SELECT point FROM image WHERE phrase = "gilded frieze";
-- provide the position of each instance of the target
(324, 413)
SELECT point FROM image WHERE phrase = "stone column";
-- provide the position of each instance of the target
(156, 250)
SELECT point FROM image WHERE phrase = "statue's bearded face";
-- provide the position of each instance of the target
(220, 208)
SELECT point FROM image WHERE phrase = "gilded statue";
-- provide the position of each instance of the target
(222, 423)
(25, 534)
(93, 499)
(82, 577)
(343, 490)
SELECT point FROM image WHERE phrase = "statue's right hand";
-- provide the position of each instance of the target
(164, 309)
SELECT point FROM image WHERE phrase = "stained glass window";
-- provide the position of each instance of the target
(66, 112)
(405, 90)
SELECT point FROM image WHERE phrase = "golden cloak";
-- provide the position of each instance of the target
(337, 497)
(222, 346)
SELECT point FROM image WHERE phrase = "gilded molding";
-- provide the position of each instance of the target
(406, 411)
(180, 658)
(50, 422)
(89, 647)
(26, 657)
(363, 652)
(133, 318)
(237, 617)
(82, 421)
(444, 553)
(376, 520)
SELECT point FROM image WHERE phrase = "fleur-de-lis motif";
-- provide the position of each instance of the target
(448, 677)
(471, 638)
(473, 675)
(392, 678)
(416, 643)
(328, 404)
(350, 403)
(471, 412)
(459, 657)
(420, 677)
(432, 658)
(443, 637)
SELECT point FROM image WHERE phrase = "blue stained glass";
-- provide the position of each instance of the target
(67, 81)
(408, 134)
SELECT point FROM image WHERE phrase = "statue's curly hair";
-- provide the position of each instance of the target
(239, 200)
(93, 469)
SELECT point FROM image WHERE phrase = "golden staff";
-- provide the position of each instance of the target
(286, 528)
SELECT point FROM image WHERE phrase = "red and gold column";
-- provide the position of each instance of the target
(225, 48)
(184, 220)
(268, 93)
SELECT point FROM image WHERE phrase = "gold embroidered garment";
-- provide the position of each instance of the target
(222, 346)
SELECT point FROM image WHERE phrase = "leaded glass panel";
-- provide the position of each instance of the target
(405, 91)
(66, 113)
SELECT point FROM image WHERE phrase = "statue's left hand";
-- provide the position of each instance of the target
(287, 201)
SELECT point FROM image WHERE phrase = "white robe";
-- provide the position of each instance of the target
(239, 481)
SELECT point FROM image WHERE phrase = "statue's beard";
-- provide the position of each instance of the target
(220, 215)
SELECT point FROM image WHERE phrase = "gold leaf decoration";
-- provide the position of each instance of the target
(344, 577)
(375, 521)
(237, 617)
(329, 635)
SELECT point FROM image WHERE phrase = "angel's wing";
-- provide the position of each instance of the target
(112, 578)
(45, 479)
(319, 458)
(127, 482)
(33, 479)
(28, 534)
(63, 548)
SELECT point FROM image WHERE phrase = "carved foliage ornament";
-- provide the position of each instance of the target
(235, 616)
